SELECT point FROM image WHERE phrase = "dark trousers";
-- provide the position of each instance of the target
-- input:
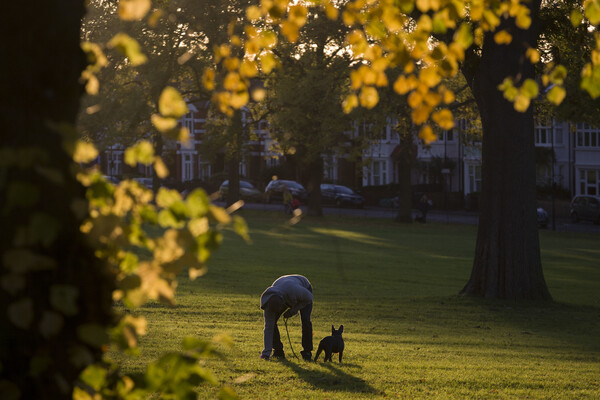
(307, 337)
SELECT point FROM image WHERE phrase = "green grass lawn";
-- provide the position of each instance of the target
(407, 333)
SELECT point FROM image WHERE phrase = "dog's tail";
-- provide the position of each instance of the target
(319, 350)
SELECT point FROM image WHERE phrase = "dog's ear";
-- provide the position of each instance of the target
(341, 328)
(332, 329)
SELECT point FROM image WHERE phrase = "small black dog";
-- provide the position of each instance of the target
(332, 344)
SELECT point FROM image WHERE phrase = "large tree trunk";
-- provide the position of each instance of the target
(405, 161)
(507, 261)
(315, 177)
(52, 283)
(233, 174)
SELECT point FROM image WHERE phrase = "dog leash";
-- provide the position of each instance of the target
(289, 340)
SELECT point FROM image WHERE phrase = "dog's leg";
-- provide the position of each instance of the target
(341, 352)
(328, 355)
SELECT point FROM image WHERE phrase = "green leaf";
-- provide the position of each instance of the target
(167, 197)
(464, 36)
(94, 376)
(20, 313)
(84, 152)
(576, 18)
(529, 88)
(9, 390)
(132, 10)
(142, 152)
(129, 263)
(129, 47)
(171, 104)
(241, 228)
(64, 299)
(20, 195)
(227, 393)
(556, 95)
(592, 11)
(93, 334)
(558, 75)
(197, 203)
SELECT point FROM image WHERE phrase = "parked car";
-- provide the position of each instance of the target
(247, 191)
(542, 218)
(144, 181)
(585, 207)
(341, 196)
(274, 190)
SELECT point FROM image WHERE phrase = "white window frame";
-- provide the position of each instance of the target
(588, 180)
(187, 166)
(587, 137)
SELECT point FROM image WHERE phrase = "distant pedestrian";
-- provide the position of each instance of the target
(424, 205)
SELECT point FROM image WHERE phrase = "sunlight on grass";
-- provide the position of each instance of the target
(408, 335)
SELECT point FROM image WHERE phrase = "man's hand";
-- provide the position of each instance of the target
(289, 314)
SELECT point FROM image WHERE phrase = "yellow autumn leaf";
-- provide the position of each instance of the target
(521, 102)
(253, 13)
(331, 11)
(444, 119)
(502, 37)
(533, 55)
(350, 103)
(290, 30)
(171, 104)
(161, 169)
(421, 114)
(84, 152)
(429, 76)
(208, 79)
(267, 62)
(249, 69)
(154, 18)
(426, 134)
(556, 95)
(369, 97)
(163, 124)
(233, 82)
(297, 15)
(239, 99)
(133, 10)
(231, 63)
(415, 99)
(129, 47)
(523, 19)
(259, 95)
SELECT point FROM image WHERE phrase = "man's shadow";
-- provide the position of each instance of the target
(333, 380)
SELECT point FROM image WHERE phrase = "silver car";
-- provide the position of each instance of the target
(586, 208)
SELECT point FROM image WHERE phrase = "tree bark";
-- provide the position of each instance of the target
(315, 177)
(41, 350)
(235, 133)
(507, 262)
(405, 161)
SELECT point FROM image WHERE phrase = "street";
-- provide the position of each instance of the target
(438, 216)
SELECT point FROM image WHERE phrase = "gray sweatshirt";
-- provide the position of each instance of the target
(295, 290)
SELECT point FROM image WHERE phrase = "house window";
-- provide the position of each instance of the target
(587, 137)
(475, 178)
(242, 168)
(543, 135)
(188, 167)
(115, 164)
(188, 122)
(204, 170)
(379, 173)
(589, 181)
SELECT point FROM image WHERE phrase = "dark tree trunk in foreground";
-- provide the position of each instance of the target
(52, 283)
(507, 261)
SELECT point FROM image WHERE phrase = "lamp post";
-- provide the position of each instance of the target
(552, 177)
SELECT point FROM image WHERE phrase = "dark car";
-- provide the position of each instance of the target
(274, 190)
(542, 218)
(341, 196)
(247, 191)
(586, 208)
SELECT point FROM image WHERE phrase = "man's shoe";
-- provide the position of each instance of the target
(306, 355)
(279, 355)
(266, 358)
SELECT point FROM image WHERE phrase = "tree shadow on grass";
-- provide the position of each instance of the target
(331, 378)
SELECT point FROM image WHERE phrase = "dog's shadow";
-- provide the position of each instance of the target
(333, 380)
